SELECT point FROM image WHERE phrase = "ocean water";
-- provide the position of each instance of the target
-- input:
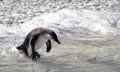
(87, 37)
(84, 54)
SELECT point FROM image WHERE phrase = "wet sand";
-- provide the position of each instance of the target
(84, 54)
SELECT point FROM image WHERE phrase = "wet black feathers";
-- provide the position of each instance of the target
(48, 44)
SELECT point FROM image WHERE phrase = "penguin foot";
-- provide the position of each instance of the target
(35, 56)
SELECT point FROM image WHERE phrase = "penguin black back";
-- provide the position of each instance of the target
(32, 38)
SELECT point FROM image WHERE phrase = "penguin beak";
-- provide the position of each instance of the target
(57, 41)
(54, 37)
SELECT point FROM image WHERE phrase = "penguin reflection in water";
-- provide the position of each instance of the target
(36, 39)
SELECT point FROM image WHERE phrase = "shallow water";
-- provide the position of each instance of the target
(90, 54)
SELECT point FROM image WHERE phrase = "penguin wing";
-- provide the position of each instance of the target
(48, 43)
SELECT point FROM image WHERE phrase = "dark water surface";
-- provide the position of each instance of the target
(74, 55)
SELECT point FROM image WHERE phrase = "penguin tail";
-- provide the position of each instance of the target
(23, 49)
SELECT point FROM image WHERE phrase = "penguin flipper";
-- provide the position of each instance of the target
(48, 43)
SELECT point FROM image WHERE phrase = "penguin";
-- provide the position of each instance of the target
(36, 39)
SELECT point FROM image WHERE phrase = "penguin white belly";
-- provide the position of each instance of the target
(39, 43)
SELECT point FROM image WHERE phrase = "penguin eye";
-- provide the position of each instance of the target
(53, 35)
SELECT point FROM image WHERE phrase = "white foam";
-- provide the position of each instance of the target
(64, 23)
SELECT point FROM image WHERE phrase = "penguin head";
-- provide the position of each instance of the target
(54, 37)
